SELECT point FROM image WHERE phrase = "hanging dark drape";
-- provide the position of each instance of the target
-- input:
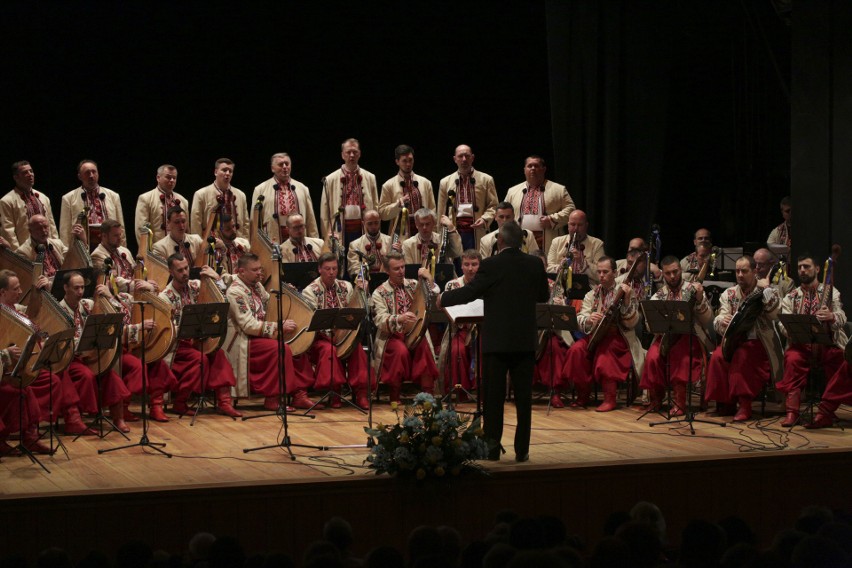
(674, 113)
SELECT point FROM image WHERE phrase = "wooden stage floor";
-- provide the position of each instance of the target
(210, 454)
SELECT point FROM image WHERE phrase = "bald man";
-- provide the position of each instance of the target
(476, 198)
(585, 252)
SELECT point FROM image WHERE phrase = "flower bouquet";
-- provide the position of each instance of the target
(427, 441)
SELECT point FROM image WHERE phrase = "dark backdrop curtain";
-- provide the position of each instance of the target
(671, 112)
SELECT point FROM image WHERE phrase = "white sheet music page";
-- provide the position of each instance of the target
(471, 312)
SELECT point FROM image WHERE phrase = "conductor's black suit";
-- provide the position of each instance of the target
(510, 284)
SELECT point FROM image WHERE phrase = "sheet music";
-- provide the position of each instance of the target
(466, 313)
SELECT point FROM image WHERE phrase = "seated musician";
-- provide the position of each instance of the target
(160, 377)
(54, 249)
(675, 288)
(585, 249)
(691, 264)
(186, 362)
(488, 243)
(328, 291)
(123, 262)
(112, 388)
(634, 247)
(230, 248)
(252, 345)
(392, 304)
(373, 245)
(37, 395)
(799, 358)
(178, 241)
(300, 248)
(741, 380)
(416, 248)
(454, 362)
(764, 261)
(618, 349)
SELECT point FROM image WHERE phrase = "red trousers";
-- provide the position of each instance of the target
(839, 388)
(654, 372)
(10, 409)
(112, 387)
(263, 367)
(797, 363)
(551, 366)
(611, 362)
(399, 364)
(457, 365)
(745, 375)
(186, 366)
(42, 387)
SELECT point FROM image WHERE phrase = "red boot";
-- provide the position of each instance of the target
(180, 407)
(361, 400)
(223, 401)
(301, 400)
(74, 423)
(610, 389)
(116, 414)
(556, 399)
(32, 441)
(395, 392)
(129, 416)
(583, 395)
(793, 399)
(335, 401)
(825, 416)
(156, 413)
(744, 411)
(679, 407)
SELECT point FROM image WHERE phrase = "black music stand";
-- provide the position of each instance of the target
(806, 329)
(551, 318)
(672, 319)
(281, 411)
(26, 352)
(334, 319)
(470, 313)
(299, 274)
(200, 322)
(143, 441)
(102, 331)
(54, 350)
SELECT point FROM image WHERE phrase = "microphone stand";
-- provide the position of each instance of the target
(281, 411)
(144, 441)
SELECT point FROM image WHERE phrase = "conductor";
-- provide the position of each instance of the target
(510, 283)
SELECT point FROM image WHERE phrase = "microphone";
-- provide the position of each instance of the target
(108, 263)
(451, 193)
(276, 251)
(523, 194)
(84, 196)
(102, 196)
(308, 247)
(415, 183)
(360, 254)
(655, 228)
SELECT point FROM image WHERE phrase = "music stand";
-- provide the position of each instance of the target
(26, 352)
(334, 319)
(101, 332)
(673, 318)
(470, 313)
(54, 351)
(299, 274)
(143, 441)
(551, 318)
(806, 329)
(200, 322)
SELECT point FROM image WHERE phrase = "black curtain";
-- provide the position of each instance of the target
(671, 112)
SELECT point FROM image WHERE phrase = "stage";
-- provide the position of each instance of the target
(583, 465)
